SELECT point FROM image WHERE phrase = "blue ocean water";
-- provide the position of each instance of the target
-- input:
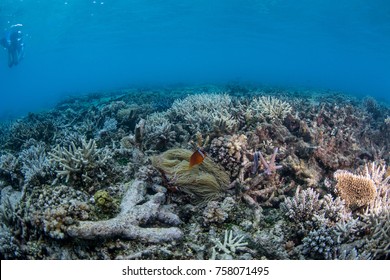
(79, 46)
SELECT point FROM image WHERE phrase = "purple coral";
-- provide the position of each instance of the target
(270, 167)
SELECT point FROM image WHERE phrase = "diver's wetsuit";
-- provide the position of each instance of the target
(13, 42)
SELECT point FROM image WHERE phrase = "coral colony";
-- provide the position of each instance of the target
(275, 174)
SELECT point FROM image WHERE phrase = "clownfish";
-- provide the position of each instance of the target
(197, 157)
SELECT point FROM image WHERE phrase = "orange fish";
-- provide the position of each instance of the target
(197, 157)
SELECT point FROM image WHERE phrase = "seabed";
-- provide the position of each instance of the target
(287, 174)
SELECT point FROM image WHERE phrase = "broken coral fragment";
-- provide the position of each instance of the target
(131, 222)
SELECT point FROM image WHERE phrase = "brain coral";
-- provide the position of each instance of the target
(356, 190)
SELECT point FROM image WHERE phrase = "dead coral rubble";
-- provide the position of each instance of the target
(133, 220)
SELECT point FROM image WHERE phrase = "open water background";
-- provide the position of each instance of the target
(79, 46)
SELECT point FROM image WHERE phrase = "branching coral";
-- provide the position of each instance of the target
(158, 132)
(377, 173)
(268, 107)
(83, 165)
(303, 206)
(206, 113)
(133, 220)
(231, 244)
(9, 248)
(10, 170)
(205, 180)
(34, 126)
(387, 121)
(35, 164)
(271, 242)
(378, 224)
(320, 243)
(269, 166)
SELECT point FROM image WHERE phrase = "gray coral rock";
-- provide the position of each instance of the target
(132, 220)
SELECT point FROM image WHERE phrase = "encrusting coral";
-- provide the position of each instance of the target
(133, 220)
(206, 180)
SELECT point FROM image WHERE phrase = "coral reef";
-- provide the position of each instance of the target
(287, 174)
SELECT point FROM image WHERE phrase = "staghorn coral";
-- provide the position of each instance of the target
(35, 165)
(377, 172)
(231, 244)
(320, 243)
(10, 170)
(268, 107)
(206, 180)
(158, 132)
(377, 222)
(81, 165)
(376, 218)
(206, 113)
(9, 247)
(303, 206)
(387, 121)
(356, 190)
(132, 221)
(270, 167)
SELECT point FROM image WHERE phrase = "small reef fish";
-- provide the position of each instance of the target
(197, 157)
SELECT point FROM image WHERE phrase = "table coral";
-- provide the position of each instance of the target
(356, 190)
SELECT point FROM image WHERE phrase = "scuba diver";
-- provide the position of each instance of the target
(13, 43)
